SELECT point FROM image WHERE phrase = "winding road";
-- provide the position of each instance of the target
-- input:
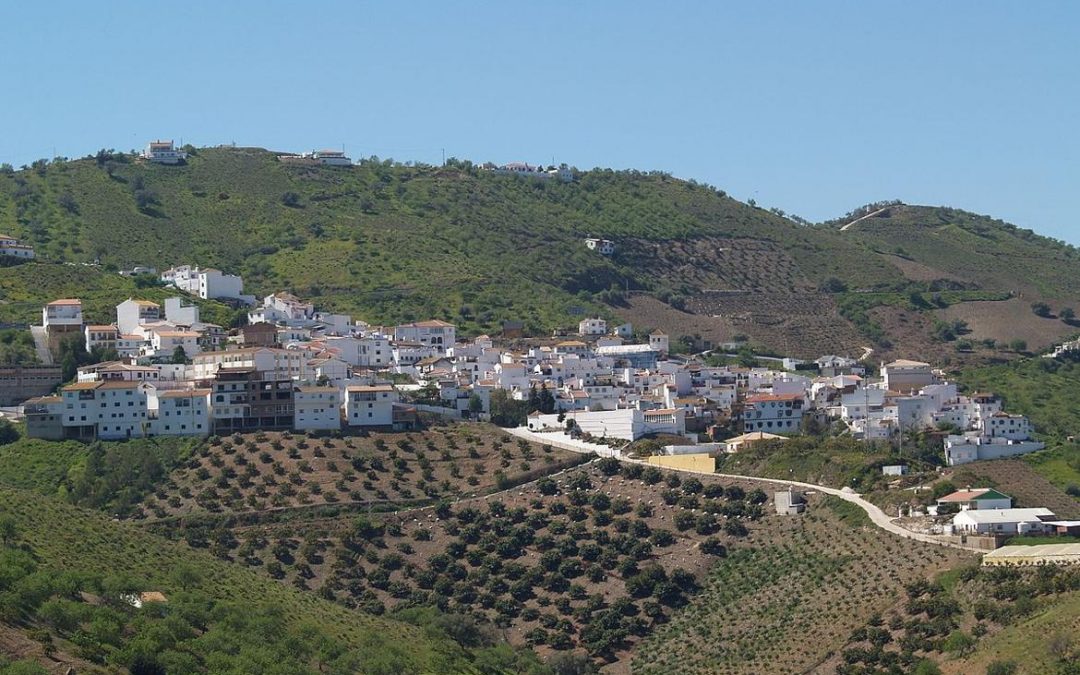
(876, 515)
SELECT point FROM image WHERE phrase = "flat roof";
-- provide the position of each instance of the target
(1037, 551)
(184, 393)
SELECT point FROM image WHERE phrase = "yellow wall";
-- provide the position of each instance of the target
(696, 462)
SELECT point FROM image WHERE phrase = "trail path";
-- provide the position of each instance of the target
(876, 515)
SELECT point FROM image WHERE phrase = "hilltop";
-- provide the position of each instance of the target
(391, 242)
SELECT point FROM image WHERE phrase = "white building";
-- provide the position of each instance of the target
(978, 498)
(1002, 521)
(601, 246)
(179, 313)
(773, 413)
(163, 343)
(973, 447)
(625, 423)
(659, 341)
(163, 152)
(331, 157)
(180, 412)
(434, 333)
(110, 410)
(283, 364)
(907, 376)
(563, 173)
(595, 326)
(371, 351)
(1004, 425)
(208, 284)
(13, 248)
(103, 337)
(370, 405)
(130, 314)
(283, 308)
(316, 408)
(65, 314)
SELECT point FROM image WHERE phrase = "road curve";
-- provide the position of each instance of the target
(876, 515)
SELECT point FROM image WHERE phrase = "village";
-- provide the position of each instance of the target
(292, 367)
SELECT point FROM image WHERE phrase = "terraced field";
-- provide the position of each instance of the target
(1019, 480)
(276, 471)
(788, 604)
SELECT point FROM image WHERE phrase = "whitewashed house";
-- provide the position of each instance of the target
(65, 314)
(13, 248)
(601, 246)
(590, 327)
(179, 412)
(434, 333)
(316, 408)
(163, 152)
(1002, 521)
(130, 314)
(370, 405)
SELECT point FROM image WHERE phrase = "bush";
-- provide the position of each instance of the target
(1001, 668)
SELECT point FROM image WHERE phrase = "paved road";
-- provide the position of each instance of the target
(41, 345)
(876, 515)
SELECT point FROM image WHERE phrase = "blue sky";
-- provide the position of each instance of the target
(815, 108)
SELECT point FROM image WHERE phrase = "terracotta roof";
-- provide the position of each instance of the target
(307, 389)
(176, 333)
(905, 363)
(101, 328)
(42, 400)
(970, 495)
(764, 398)
(83, 386)
(121, 384)
(434, 323)
(376, 387)
(65, 301)
(184, 393)
(144, 303)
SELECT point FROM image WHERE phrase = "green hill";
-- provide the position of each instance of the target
(391, 242)
(221, 617)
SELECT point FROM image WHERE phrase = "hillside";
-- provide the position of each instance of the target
(227, 619)
(392, 242)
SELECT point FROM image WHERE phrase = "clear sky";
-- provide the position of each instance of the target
(813, 107)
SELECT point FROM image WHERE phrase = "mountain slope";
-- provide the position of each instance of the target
(395, 242)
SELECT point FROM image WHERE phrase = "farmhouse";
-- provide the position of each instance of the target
(601, 246)
(316, 408)
(979, 498)
(1002, 521)
(370, 405)
(163, 152)
(775, 413)
(13, 248)
(903, 375)
(744, 441)
(595, 326)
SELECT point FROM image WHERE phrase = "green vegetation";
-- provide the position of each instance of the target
(106, 475)
(220, 617)
(26, 288)
(811, 566)
(392, 242)
(16, 347)
(850, 514)
(831, 460)
(964, 615)
(1046, 390)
